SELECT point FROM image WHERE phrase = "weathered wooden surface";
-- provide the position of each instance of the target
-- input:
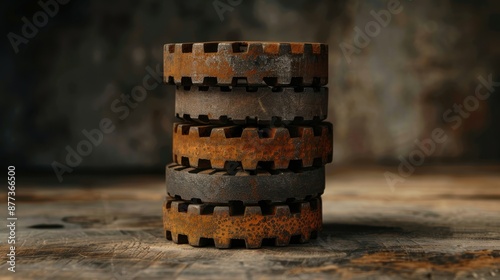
(442, 224)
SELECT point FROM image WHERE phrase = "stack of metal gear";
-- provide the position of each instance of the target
(250, 151)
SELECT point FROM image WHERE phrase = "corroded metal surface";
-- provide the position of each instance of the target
(213, 186)
(201, 224)
(248, 63)
(211, 146)
(251, 104)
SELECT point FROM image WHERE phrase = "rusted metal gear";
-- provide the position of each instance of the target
(242, 105)
(246, 63)
(279, 224)
(211, 146)
(215, 186)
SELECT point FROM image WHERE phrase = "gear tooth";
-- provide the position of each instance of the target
(221, 211)
(174, 206)
(193, 161)
(194, 209)
(271, 48)
(272, 132)
(197, 79)
(282, 210)
(282, 240)
(280, 132)
(178, 48)
(253, 210)
(177, 79)
(249, 164)
(198, 48)
(222, 243)
(217, 163)
(194, 131)
(255, 48)
(225, 48)
(175, 237)
(254, 80)
(250, 132)
(253, 243)
(316, 48)
(306, 132)
(218, 133)
(194, 241)
(281, 163)
(305, 206)
(225, 80)
(284, 80)
(297, 48)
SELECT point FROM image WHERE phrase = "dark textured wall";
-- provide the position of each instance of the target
(390, 90)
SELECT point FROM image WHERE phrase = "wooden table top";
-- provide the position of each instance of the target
(441, 223)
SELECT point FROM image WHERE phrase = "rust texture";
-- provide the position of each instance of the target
(247, 63)
(242, 105)
(201, 224)
(210, 146)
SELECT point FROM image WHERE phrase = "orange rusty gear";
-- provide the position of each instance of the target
(211, 146)
(246, 63)
(202, 224)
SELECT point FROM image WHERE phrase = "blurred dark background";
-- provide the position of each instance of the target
(383, 97)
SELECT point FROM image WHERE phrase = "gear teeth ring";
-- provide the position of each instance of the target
(211, 146)
(235, 63)
(255, 225)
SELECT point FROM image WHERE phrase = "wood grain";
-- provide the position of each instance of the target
(443, 223)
